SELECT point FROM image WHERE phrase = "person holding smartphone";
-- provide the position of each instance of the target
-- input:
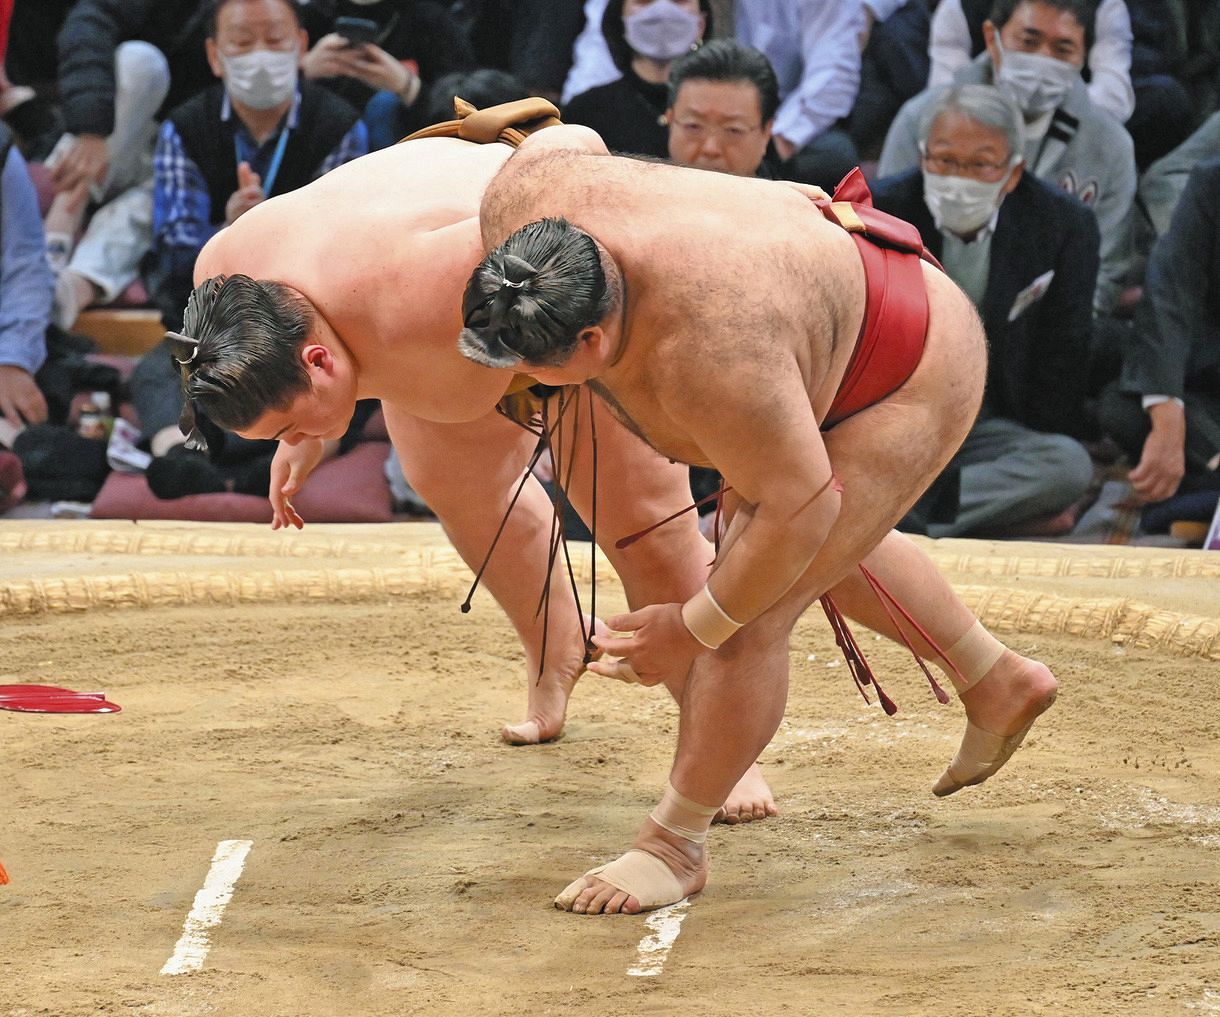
(381, 56)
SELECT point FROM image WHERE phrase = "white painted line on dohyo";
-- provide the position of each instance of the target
(209, 907)
(654, 948)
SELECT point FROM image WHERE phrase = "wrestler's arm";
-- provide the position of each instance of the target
(764, 439)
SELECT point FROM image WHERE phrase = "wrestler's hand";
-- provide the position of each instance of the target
(658, 647)
(289, 468)
(811, 191)
(1163, 458)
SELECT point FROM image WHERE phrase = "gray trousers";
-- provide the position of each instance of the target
(1011, 474)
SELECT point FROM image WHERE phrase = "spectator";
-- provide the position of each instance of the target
(957, 37)
(258, 132)
(1026, 254)
(1165, 410)
(416, 42)
(1035, 49)
(722, 103)
(814, 47)
(113, 77)
(645, 37)
(26, 285)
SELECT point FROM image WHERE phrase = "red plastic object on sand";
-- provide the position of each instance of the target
(3, 876)
(51, 699)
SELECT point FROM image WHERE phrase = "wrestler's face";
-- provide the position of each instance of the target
(323, 411)
(718, 125)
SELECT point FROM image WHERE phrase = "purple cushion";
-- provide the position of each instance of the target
(350, 489)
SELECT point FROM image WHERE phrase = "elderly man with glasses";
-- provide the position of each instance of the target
(1027, 255)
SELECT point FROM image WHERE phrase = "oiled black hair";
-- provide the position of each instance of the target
(531, 297)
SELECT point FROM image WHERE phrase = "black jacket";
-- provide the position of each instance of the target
(1037, 370)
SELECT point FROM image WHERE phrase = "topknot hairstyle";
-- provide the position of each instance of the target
(531, 297)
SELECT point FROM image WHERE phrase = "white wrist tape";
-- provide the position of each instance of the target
(682, 817)
(707, 621)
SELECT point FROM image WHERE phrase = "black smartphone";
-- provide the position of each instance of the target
(357, 31)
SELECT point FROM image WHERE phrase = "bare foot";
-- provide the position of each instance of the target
(1000, 710)
(749, 801)
(548, 698)
(661, 869)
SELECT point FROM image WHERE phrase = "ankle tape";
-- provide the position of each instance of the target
(974, 655)
(682, 817)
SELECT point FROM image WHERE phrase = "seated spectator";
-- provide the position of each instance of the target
(1026, 254)
(1035, 50)
(415, 42)
(814, 47)
(113, 76)
(957, 38)
(645, 37)
(26, 285)
(722, 103)
(258, 132)
(1165, 410)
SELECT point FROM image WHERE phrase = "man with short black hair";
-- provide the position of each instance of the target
(722, 103)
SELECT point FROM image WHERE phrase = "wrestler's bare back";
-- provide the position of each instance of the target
(382, 247)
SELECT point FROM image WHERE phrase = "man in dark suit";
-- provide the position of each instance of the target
(1165, 409)
(1027, 255)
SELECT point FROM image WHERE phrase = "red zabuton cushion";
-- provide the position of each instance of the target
(350, 489)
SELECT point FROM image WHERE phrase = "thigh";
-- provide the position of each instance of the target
(888, 454)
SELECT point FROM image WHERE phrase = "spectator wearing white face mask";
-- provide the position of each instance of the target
(1027, 255)
(1035, 51)
(645, 37)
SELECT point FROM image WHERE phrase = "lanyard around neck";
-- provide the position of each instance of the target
(277, 157)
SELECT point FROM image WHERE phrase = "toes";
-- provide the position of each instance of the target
(601, 902)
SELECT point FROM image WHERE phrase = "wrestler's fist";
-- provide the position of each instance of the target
(289, 468)
(655, 647)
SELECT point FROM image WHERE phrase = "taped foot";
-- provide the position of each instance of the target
(634, 882)
(749, 802)
(982, 753)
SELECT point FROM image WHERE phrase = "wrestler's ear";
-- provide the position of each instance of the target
(317, 358)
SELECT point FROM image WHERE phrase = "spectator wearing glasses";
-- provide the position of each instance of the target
(722, 103)
(1035, 51)
(1027, 256)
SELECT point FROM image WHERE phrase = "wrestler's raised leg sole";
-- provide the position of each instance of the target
(982, 753)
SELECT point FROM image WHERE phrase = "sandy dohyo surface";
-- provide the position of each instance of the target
(321, 695)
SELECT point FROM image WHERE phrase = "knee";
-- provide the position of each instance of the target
(141, 70)
(1068, 468)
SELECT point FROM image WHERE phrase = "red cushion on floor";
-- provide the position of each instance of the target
(350, 489)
